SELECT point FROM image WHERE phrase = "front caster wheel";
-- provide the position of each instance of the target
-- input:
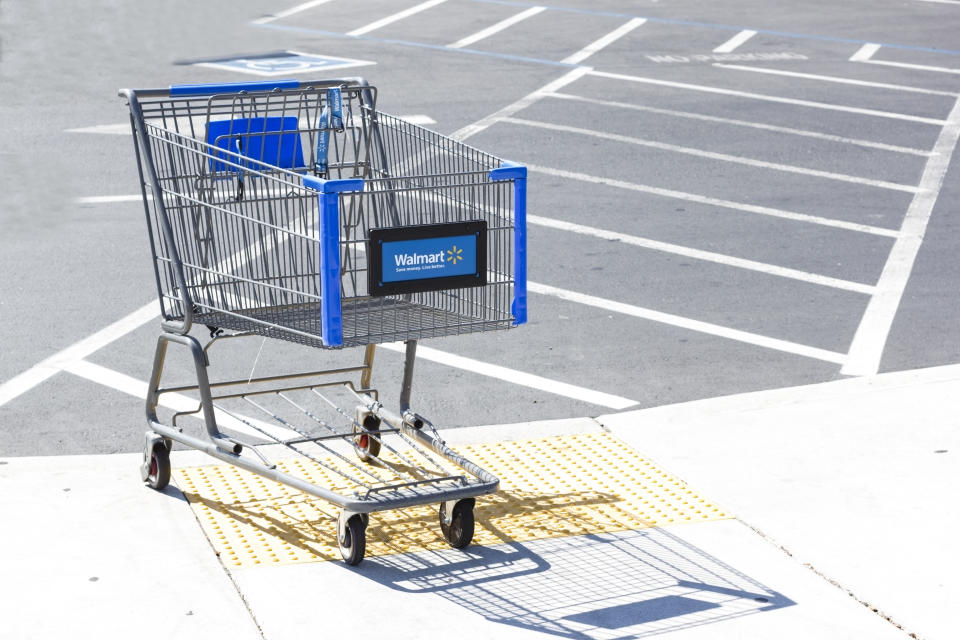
(158, 473)
(457, 527)
(366, 441)
(352, 539)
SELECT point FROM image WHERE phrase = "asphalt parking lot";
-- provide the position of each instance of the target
(723, 199)
(727, 416)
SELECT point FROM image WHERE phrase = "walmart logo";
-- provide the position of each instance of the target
(420, 260)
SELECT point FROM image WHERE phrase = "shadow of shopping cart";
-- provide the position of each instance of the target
(630, 584)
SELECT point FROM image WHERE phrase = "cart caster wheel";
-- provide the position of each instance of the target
(353, 542)
(458, 532)
(158, 476)
(366, 447)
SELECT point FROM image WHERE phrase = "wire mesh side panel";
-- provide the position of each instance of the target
(419, 177)
(399, 148)
(229, 174)
(244, 260)
(227, 208)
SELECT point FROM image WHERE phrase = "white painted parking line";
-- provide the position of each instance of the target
(716, 202)
(711, 155)
(704, 58)
(496, 28)
(768, 98)
(705, 256)
(175, 401)
(743, 123)
(136, 197)
(605, 41)
(870, 339)
(46, 368)
(122, 129)
(111, 199)
(688, 252)
(552, 86)
(915, 67)
(734, 42)
(50, 366)
(71, 360)
(418, 118)
(836, 79)
(513, 376)
(689, 324)
(941, 1)
(79, 350)
(199, 123)
(400, 15)
(521, 104)
(291, 11)
(865, 52)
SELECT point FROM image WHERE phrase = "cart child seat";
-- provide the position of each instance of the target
(263, 142)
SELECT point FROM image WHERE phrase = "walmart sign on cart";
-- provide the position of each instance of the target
(427, 257)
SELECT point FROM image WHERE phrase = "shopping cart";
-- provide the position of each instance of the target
(297, 211)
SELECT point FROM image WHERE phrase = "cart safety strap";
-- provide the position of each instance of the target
(335, 102)
(330, 117)
(323, 141)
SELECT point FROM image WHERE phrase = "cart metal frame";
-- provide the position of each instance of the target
(252, 238)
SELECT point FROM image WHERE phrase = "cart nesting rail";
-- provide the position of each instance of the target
(298, 211)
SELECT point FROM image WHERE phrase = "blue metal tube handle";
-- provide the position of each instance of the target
(231, 87)
(518, 173)
(331, 313)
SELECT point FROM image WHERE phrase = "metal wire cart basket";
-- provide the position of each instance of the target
(299, 212)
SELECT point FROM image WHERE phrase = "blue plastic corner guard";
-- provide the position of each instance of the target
(231, 87)
(331, 313)
(518, 173)
(509, 171)
(333, 186)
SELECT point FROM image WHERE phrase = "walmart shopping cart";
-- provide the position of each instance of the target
(297, 211)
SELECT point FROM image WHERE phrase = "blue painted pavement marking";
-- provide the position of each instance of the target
(283, 63)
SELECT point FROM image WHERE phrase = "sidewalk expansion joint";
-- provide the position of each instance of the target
(829, 580)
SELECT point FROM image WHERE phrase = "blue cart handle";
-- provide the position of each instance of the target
(231, 87)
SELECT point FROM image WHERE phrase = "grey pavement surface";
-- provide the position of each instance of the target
(729, 184)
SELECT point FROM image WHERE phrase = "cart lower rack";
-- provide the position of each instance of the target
(299, 212)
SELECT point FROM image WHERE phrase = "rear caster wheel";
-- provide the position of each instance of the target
(158, 472)
(352, 539)
(457, 527)
(366, 441)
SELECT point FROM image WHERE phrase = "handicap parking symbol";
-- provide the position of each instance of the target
(284, 63)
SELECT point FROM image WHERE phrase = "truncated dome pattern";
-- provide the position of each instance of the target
(551, 487)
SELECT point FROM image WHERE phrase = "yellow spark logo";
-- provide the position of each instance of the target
(454, 255)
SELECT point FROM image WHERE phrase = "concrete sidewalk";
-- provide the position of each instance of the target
(857, 479)
(843, 495)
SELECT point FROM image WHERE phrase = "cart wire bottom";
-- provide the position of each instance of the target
(394, 320)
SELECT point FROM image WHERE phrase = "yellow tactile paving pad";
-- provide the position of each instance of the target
(551, 487)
